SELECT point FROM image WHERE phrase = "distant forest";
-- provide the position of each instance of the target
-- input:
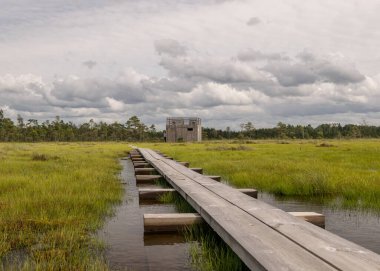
(135, 130)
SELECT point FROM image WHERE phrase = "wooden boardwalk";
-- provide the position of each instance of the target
(264, 237)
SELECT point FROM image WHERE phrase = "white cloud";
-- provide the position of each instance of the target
(110, 59)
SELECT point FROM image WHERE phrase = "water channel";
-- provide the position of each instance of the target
(129, 249)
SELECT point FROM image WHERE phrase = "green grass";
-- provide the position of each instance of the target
(344, 171)
(210, 252)
(53, 198)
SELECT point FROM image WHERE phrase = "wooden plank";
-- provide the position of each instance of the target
(311, 217)
(331, 250)
(153, 193)
(169, 222)
(147, 179)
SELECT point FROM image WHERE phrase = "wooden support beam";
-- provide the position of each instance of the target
(215, 178)
(185, 164)
(145, 171)
(137, 159)
(147, 179)
(312, 217)
(178, 221)
(197, 170)
(153, 193)
(141, 165)
(250, 192)
(169, 222)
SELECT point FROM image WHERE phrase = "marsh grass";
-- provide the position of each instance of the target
(163, 183)
(180, 204)
(53, 198)
(210, 252)
(344, 169)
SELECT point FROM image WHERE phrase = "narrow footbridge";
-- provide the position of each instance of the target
(264, 237)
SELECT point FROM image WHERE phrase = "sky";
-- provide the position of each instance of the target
(227, 62)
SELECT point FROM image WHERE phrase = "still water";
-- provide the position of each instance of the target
(129, 249)
(359, 227)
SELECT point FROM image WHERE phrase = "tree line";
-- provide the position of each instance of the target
(58, 130)
(288, 131)
(135, 130)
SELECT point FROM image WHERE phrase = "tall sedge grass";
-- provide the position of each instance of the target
(53, 197)
(348, 170)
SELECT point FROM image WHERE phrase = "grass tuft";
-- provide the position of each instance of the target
(43, 157)
(326, 145)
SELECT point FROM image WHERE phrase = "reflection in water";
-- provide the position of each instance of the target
(357, 226)
(127, 248)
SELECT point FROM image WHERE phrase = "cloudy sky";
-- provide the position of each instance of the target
(227, 62)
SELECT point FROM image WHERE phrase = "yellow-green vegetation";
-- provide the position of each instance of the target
(346, 172)
(53, 198)
(210, 253)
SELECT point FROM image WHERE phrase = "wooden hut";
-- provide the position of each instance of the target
(183, 129)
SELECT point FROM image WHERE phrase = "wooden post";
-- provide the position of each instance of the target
(185, 164)
(215, 178)
(250, 192)
(169, 222)
(312, 217)
(197, 169)
(177, 222)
